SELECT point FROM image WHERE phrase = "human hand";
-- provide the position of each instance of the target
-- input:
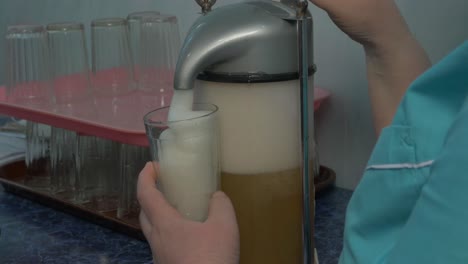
(372, 23)
(176, 240)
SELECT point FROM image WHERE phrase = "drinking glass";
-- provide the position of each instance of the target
(69, 65)
(27, 66)
(132, 161)
(97, 173)
(134, 26)
(38, 156)
(72, 90)
(185, 154)
(160, 44)
(112, 65)
(63, 148)
(28, 84)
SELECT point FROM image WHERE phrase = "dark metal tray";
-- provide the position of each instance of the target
(13, 175)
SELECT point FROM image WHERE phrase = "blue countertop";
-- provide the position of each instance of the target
(32, 233)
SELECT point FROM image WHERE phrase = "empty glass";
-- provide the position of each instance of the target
(69, 66)
(134, 25)
(72, 91)
(185, 155)
(63, 148)
(111, 59)
(28, 84)
(160, 43)
(27, 68)
(132, 160)
(98, 185)
(38, 156)
(112, 68)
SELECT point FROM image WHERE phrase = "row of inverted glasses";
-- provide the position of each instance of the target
(154, 46)
(146, 37)
(148, 57)
(28, 76)
(71, 84)
(56, 58)
(49, 68)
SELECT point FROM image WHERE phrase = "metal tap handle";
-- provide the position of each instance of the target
(301, 8)
(205, 5)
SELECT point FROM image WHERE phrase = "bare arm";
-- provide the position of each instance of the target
(394, 58)
(391, 67)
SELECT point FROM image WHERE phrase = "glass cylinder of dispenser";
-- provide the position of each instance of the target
(261, 164)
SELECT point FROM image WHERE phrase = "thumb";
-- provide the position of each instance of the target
(221, 210)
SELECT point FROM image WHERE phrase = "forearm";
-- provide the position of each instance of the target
(392, 66)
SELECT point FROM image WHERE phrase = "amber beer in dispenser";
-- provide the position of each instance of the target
(260, 166)
(269, 213)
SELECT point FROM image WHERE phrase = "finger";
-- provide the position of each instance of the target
(157, 210)
(221, 210)
(146, 226)
(147, 232)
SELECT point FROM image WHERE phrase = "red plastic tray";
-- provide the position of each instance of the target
(119, 118)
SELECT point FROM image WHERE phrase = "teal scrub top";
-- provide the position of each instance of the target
(411, 205)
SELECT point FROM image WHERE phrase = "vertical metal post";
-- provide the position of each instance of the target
(307, 180)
